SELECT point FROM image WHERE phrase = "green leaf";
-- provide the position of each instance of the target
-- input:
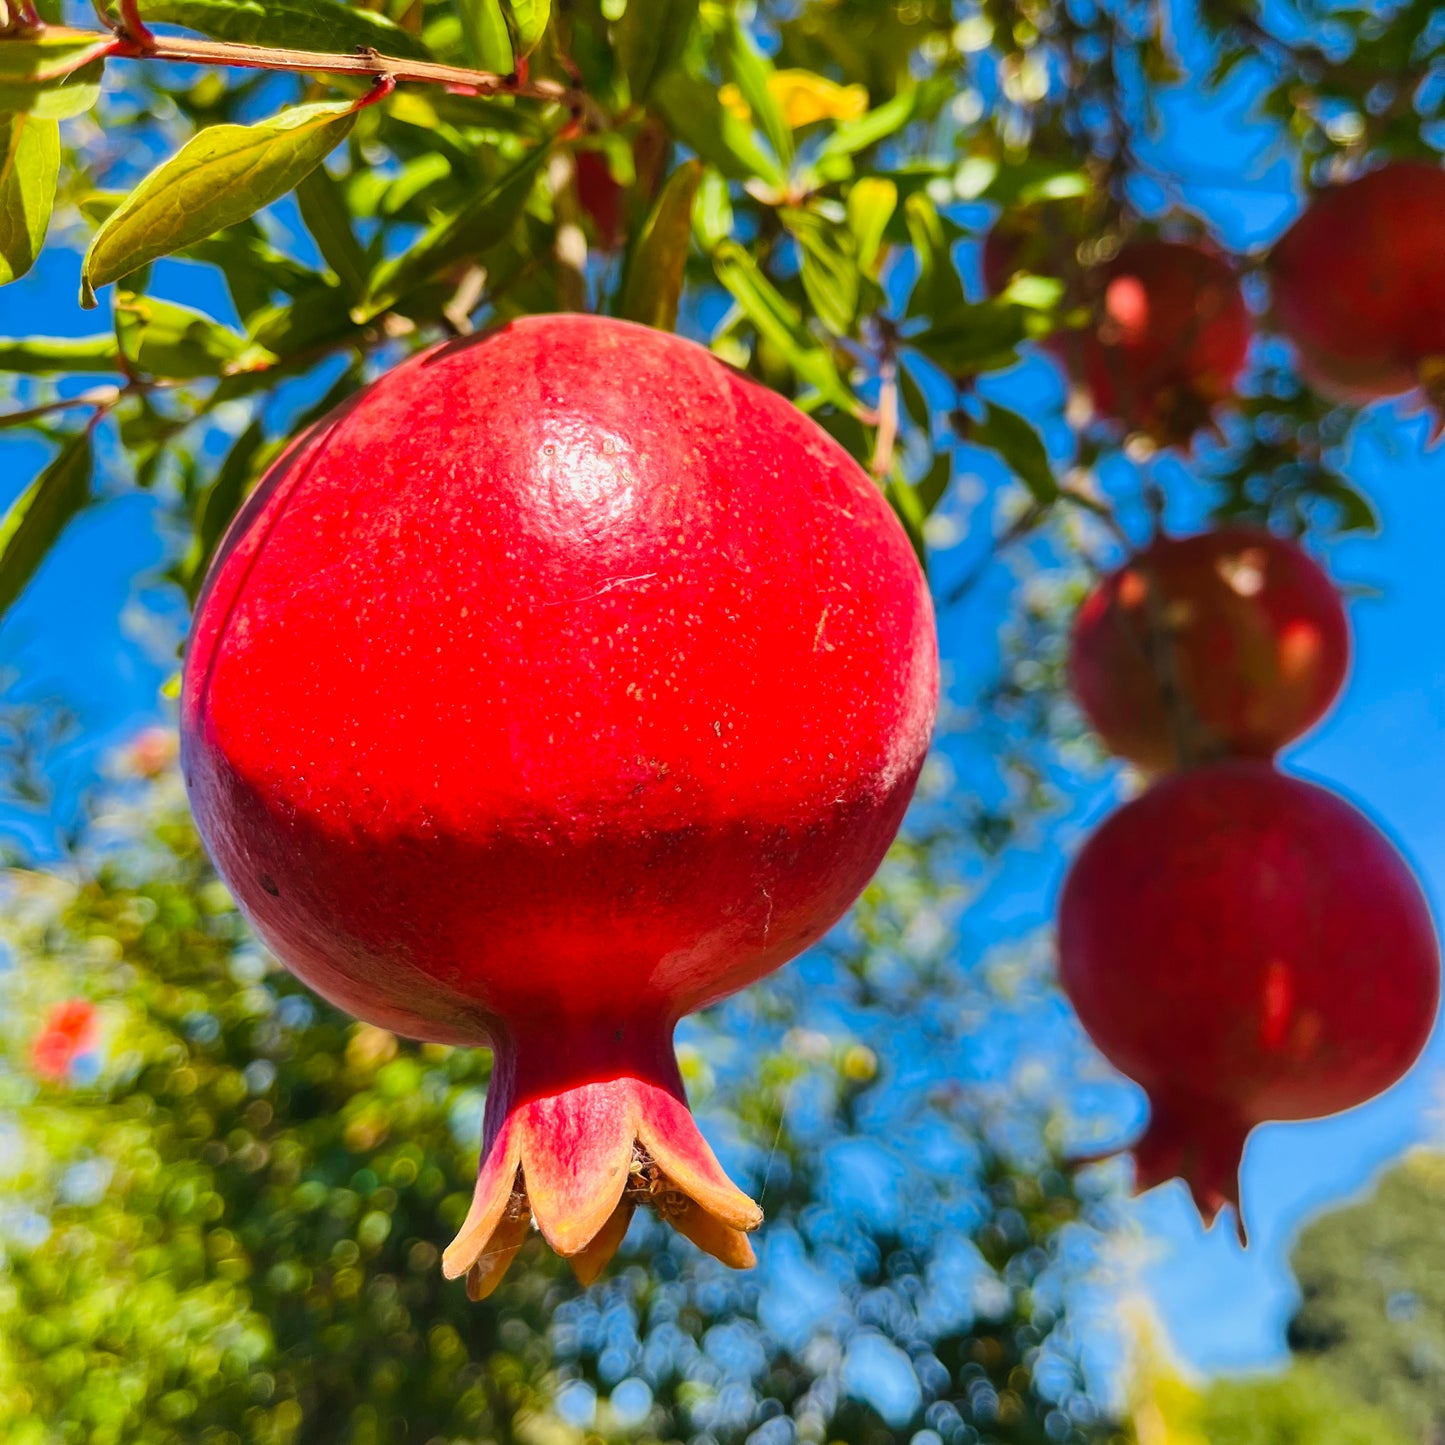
(486, 40)
(313, 319)
(38, 516)
(871, 203)
(325, 214)
(527, 20)
(1007, 433)
(829, 269)
(651, 37)
(160, 338)
(775, 319)
(903, 497)
(482, 222)
(749, 71)
(29, 165)
(219, 502)
(938, 290)
(53, 74)
(51, 355)
(876, 125)
(290, 24)
(698, 119)
(654, 272)
(973, 338)
(1356, 513)
(219, 177)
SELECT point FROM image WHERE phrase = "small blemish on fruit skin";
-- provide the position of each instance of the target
(269, 884)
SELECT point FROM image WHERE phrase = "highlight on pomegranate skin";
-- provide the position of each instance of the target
(1234, 638)
(1247, 947)
(1358, 288)
(558, 684)
(1170, 339)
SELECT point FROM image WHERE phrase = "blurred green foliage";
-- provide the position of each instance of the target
(224, 1204)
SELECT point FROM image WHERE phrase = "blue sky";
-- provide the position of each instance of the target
(82, 633)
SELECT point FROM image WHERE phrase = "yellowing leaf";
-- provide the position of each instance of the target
(217, 179)
(803, 98)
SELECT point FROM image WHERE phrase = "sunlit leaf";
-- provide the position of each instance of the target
(219, 177)
(775, 319)
(29, 165)
(53, 74)
(51, 355)
(698, 118)
(871, 203)
(752, 75)
(37, 517)
(655, 270)
(829, 268)
(160, 338)
(485, 37)
(527, 20)
(290, 24)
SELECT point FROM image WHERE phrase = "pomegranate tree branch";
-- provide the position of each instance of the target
(371, 64)
(102, 398)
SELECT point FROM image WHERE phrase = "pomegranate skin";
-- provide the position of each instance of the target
(1171, 338)
(1357, 284)
(560, 683)
(1258, 647)
(1246, 946)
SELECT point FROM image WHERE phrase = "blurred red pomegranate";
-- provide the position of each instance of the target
(1245, 946)
(1235, 637)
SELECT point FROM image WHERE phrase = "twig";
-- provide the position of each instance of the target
(103, 398)
(121, 44)
(887, 438)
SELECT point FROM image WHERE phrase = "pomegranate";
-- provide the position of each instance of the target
(1358, 288)
(1229, 642)
(1246, 946)
(1170, 338)
(560, 683)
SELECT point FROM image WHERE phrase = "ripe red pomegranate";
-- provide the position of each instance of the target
(558, 684)
(1358, 286)
(1171, 337)
(1246, 946)
(1255, 647)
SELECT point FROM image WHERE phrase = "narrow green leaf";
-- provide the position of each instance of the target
(29, 165)
(52, 355)
(53, 74)
(903, 497)
(325, 214)
(654, 273)
(315, 317)
(930, 488)
(527, 20)
(871, 203)
(482, 222)
(291, 24)
(938, 290)
(698, 119)
(219, 177)
(219, 502)
(878, 124)
(1007, 433)
(1356, 512)
(160, 338)
(781, 324)
(829, 268)
(749, 71)
(485, 37)
(38, 516)
(651, 38)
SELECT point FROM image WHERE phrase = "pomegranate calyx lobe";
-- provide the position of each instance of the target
(1201, 1144)
(576, 1155)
